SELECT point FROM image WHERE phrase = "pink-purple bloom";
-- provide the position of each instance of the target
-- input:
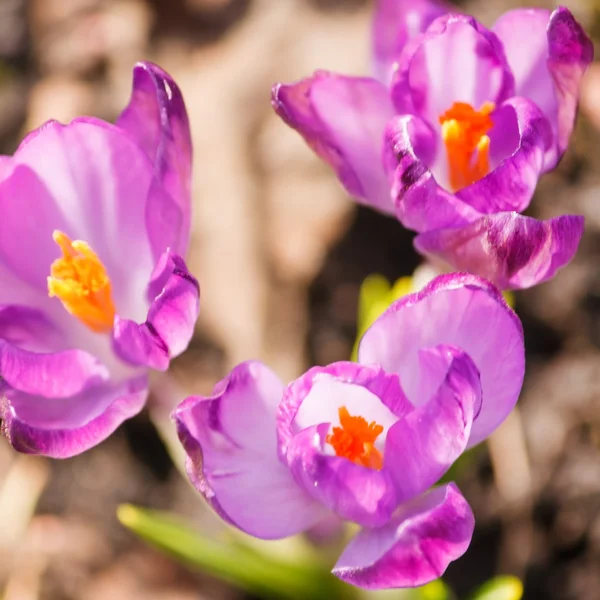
(455, 131)
(95, 292)
(364, 442)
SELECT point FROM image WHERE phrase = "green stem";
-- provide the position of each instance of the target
(235, 564)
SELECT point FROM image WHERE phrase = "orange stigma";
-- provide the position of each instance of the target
(464, 131)
(79, 280)
(354, 439)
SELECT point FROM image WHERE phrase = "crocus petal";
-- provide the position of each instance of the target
(157, 119)
(342, 119)
(52, 375)
(421, 204)
(232, 455)
(101, 180)
(548, 54)
(511, 184)
(456, 60)
(65, 427)
(353, 492)
(422, 446)
(34, 358)
(309, 407)
(29, 216)
(394, 24)
(459, 310)
(168, 329)
(29, 329)
(316, 397)
(509, 249)
(415, 547)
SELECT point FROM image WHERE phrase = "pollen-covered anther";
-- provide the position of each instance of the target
(464, 131)
(355, 440)
(80, 281)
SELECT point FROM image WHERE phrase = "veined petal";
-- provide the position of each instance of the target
(29, 329)
(342, 119)
(353, 492)
(456, 60)
(65, 427)
(100, 180)
(570, 53)
(509, 249)
(421, 203)
(35, 357)
(394, 24)
(519, 142)
(422, 446)
(548, 54)
(29, 216)
(175, 297)
(309, 408)
(316, 397)
(157, 119)
(52, 374)
(459, 310)
(232, 460)
(415, 547)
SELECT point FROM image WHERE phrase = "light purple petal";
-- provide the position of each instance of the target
(353, 492)
(29, 216)
(512, 182)
(571, 52)
(459, 310)
(231, 444)
(422, 446)
(415, 547)
(29, 329)
(548, 54)
(65, 427)
(421, 203)
(456, 60)
(100, 180)
(157, 119)
(394, 24)
(315, 398)
(342, 119)
(310, 406)
(52, 375)
(509, 249)
(168, 329)
(523, 33)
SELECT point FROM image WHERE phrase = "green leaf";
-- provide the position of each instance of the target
(375, 296)
(436, 590)
(237, 564)
(504, 587)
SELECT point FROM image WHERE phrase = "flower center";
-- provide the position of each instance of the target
(464, 131)
(79, 280)
(354, 439)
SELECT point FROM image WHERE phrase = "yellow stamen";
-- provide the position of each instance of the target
(464, 131)
(79, 280)
(355, 439)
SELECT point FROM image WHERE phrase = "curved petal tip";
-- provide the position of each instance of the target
(509, 249)
(156, 118)
(415, 547)
(168, 329)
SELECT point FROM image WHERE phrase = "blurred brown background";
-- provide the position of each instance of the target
(280, 252)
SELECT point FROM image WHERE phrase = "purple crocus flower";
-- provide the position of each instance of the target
(455, 132)
(94, 292)
(437, 373)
